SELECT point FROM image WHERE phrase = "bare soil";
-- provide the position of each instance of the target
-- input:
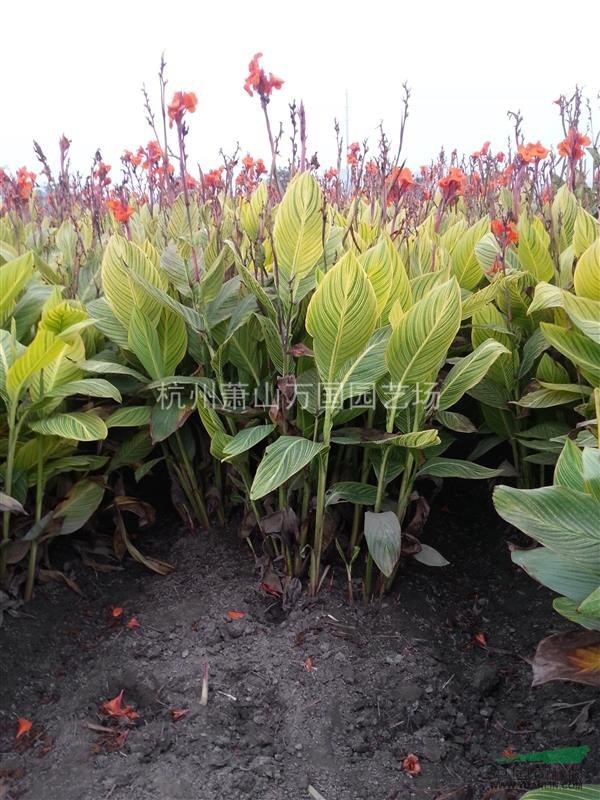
(322, 694)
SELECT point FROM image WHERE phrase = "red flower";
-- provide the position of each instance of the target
(483, 152)
(505, 232)
(101, 173)
(453, 184)
(371, 168)
(179, 105)
(258, 82)
(500, 157)
(121, 212)
(572, 146)
(212, 179)
(532, 152)
(353, 152)
(25, 182)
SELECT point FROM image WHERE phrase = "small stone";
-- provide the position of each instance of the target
(185, 653)
(485, 679)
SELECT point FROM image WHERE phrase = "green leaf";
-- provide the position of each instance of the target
(384, 539)
(143, 341)
(79, 505)
(547, 398)
(591, 472)
(587, 272)
(455, 422)
(570, 610)
(41, 352)
(246, 439)
(166, 418)
(129, 417)
(469, 371)
(583, 352)
(78, 425)
(576, 581)
(456, 468)
(298, 231)
(463, 262)
(133, 451)
(590, 606)
(417, 440)
(419, 345)
(341, 316)
(569, 469)
(587, 792)
(560, 518)
(283, 459)
(89, 387)
(534, 253)
(14, 276)
(377, 263)
(586, 230)
(361, 494)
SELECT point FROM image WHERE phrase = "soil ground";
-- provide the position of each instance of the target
(401, 676)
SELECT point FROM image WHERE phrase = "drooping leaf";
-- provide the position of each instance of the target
(384, 539)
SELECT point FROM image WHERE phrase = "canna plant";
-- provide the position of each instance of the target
(563, 519)
(38, 386)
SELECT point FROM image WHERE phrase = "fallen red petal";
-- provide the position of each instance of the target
(308, 664)
(114, 708)
(179, 713)
(117, 612)
(481, 640)
(133, 623)
(236, 614)
(23, 726)
(412, 764)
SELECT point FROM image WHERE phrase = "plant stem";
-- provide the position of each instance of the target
(39, 496)
(8, 478)
(315, 565)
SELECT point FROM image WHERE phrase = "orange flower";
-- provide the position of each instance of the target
(258, 82)
(572, 146)
(453, 184)
(179, 105)
(532, 152)
(121, 212)
(505, 232)
(412, 764)
(397, 182)
(23, 726)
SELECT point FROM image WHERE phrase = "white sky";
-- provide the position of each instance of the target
(77, 68)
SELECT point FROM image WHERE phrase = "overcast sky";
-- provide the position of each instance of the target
(78, 67)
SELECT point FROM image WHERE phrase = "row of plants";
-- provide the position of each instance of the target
(305, 354)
